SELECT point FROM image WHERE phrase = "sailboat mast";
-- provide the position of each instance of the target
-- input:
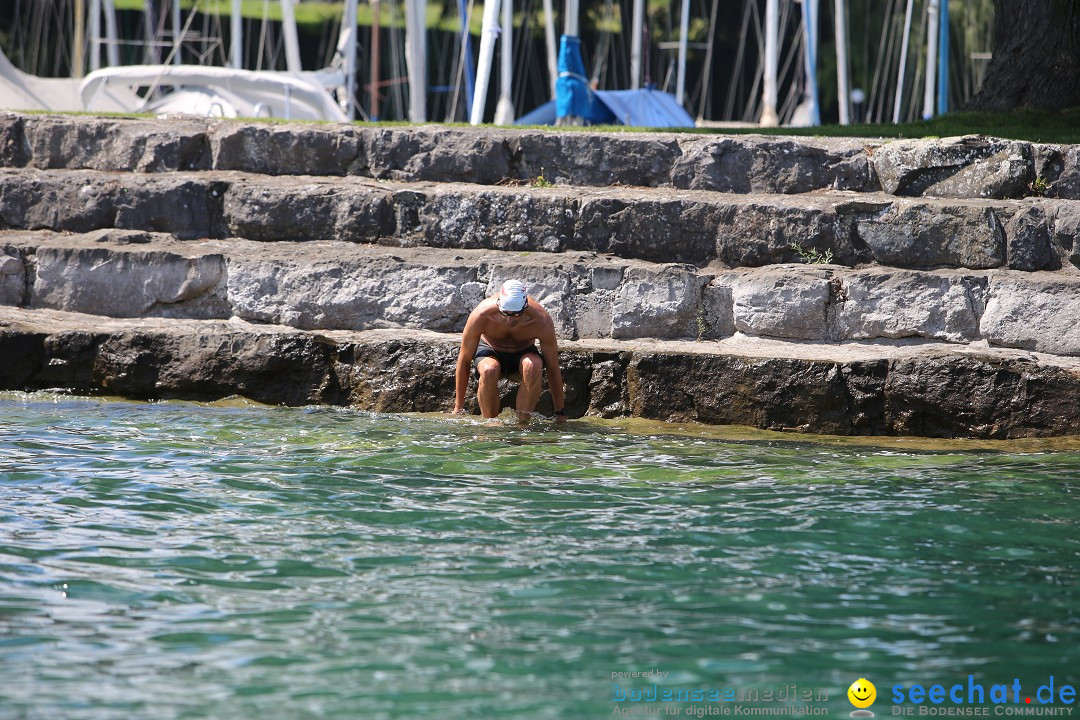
(292, 41)
(77, 59)
(842, 82)
(684, 30)
(236, 26)
(95, 34)
(931, 60)
(112, 50)
(903, 63)
(489, 31)
(772, 51)
(635, 44)
(504, 110)
(549, 39)
(177, 30)
(416, 58)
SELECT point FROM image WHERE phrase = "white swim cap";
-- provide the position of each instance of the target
(512, 296)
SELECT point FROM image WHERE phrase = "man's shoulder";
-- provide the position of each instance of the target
(485, 307)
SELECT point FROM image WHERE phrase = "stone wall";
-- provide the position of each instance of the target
(683, 255)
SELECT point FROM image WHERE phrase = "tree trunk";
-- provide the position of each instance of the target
(1036, 59)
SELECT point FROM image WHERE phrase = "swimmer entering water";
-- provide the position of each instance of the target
(501, 336)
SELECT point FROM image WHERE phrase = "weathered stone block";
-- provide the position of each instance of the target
(119, 145)
(356, 290)
(776, 393)
(964, 167)
(75, 202)
(185, 207)
(1059, 167)
(988, 396)
(121, 282)
(497, 220)
(718, 312)
(1066, 232)
(661, 303)
(593, 305)
(762, 232)
(776, 165)
(780, 301)
(307, 211)
(673, 230)
(903, 303)
(14, 150)
(593, 159)
(439, 154)
(290, 368)
(12, 280)
(292, 149)
(931, 234)
(1035, 311)
(608, 395)
(1029, 245)
(84, 201)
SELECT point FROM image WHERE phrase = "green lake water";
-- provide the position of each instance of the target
(187, 561)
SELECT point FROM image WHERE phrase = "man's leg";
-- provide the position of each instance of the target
(532, 382)
(488, 391)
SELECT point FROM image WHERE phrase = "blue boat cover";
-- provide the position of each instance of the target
(573, 96)
(647, 107)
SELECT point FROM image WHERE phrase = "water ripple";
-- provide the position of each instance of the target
(176, 560)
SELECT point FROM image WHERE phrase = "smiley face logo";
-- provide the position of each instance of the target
(862, 693)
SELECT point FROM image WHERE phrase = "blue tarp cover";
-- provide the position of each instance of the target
(648, 107)
(573, 96)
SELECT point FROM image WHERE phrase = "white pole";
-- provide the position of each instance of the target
(416, 58)
(930, 93)
(635, 44)
(236, 24)
(95, 34)
(78, 66)
(504, 111)
(112, 51)
(571, 26)
(489, 30)
(348, 39)
(177, 28)
(772, 50)
(842, 82)
(150, 51)
(810, 43)
(903, 64)
(292, 42)
(684, 30)
(549, 38)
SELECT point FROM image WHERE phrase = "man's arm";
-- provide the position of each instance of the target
(549, 348)
(470, 339)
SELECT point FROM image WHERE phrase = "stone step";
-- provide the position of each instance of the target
(657, 224)
(973, 167)
(322, 285)
(893, 387)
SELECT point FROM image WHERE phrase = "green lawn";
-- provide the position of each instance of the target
(1032, 125)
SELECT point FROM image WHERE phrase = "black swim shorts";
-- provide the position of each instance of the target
(509, 362)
